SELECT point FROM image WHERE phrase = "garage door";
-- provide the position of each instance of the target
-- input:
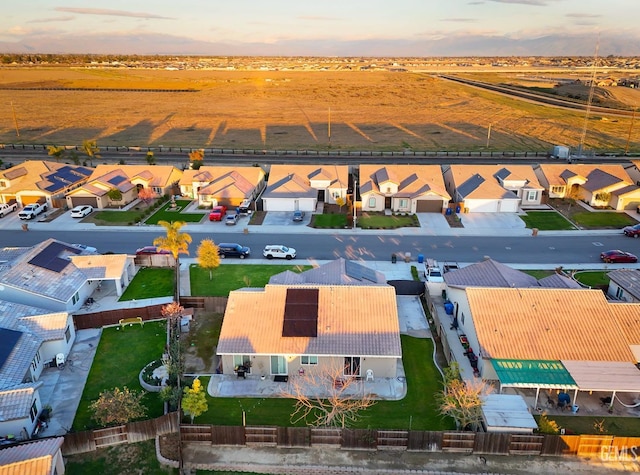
(84, 200)
(429, 206)
(27, 200)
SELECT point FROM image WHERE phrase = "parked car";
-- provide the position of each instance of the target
(7, 208)
(279, 251)
(81, 211)
(151, 250)
(231, 219)
(632, 231)
(618, 256)
(217, 213)
(298, 215)
(32, 210)
(232, 249)
(84, 247)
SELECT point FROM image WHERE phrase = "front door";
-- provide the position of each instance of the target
(387, 202)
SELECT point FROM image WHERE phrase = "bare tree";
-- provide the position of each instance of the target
(327, 398)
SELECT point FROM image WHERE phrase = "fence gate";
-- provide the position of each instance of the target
(110, 436)
(265, 436)
(326, 437)
(393, 439)
(462, 442)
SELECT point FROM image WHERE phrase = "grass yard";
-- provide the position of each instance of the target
(600, 220)
(116, 366)
(115, 218)
(382, 221)
(620, 426)
(328, 221)
(149, 283)
(546, 221)
(417, 410)
(235, 276)
(166, 213)
(594, 279)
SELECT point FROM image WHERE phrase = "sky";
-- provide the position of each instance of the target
(323, 28)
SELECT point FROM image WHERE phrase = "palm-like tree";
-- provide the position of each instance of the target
(90, 147)
(55, 151)
(176, 243)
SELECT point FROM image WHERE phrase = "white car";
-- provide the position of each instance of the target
(85, 248)
(81, 211)
(278, 250)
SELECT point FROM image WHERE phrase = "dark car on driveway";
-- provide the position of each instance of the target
(298, 215)
(618, 256)
(632, 231)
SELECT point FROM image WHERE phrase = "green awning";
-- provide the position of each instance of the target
(533, 374)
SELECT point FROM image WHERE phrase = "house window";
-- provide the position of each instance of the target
(532, 195)
(75, 298)
(34, 411)
(352, 366)
(557, 190)
(372, 202)
(388, 190)
(310, 360)
(36, 361)
(157, 189)
(619, 293)
(67, 334)
(462, 318)
(3, 184)
(278, 365)
(242, 360)
(404, 204)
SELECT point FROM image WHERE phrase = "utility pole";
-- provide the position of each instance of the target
(633, 118)
(15, 119)
(488, 135)
(329, 127)
(355, 188)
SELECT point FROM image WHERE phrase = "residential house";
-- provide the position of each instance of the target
(493, 188)
(228, 186)
(302, 187)
(40, 181)
(403, 188)
(337, 272)
(624, 285)
(58, 276)
(602, 185)
(128, 180)
(38, 457)
(285, 329)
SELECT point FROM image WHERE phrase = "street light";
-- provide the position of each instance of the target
(355, 186)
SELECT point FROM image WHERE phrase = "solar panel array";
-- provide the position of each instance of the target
(50, 257)
(8, 341)
(301, 313)
(66, 176)
(359, 272)
(116, 180)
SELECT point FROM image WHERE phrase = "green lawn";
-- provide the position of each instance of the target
(116, 365)
(382, 221)
(417, 409)
(593, 278)
(603, 219)
(149, 283)
(118, 217)
(620, 426)
(234, 276)
(546, 221)
(166, 213)
(329, 220)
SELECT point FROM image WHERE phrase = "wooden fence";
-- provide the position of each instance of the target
(90, 440)
(112, 317)
(481, 443)
(210, 304)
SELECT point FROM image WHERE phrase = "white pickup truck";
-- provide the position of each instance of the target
(32, 210)
(7, 208)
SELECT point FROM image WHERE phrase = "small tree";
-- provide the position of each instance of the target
(56, 152)
(90, 148)
(326, 398)
(547, 426)
(208, 257)
(194, 401)
(340, 201)
(151, 158)
(146, 195)
(172, 311)
(114, 194)
(118, 406)
(176, 243)
(196, 158)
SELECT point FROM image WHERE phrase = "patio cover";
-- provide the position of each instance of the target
(533, 374)
(604, 376)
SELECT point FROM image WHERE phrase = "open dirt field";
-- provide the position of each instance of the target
(283, 110)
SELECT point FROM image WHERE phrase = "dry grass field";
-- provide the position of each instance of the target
(285, 110)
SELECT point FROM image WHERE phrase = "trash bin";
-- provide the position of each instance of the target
(420, 259)
(534, 231)
(448, 211)
(575, 408)
(394, 258)
(457, 209)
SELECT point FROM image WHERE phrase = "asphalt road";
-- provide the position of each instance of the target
(555, 250)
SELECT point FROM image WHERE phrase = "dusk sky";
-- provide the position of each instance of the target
(326, 28)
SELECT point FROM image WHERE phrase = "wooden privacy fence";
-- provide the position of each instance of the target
(487, 443)
(210, 304)
(90, 440)
(113, 317)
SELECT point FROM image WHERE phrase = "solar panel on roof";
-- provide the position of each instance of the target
(369, 274)
(55, 185)
(117, 179)
(301, 313)
(8, 340)
(49, 258)
(359, 272)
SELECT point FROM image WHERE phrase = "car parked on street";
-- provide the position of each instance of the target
(618, 256)
(217, 213)
(84, 247)
(81, 211)
(231, 219)
(298, 215)
(233, 249)
(632, 231)
(271, 251)
(150, 250)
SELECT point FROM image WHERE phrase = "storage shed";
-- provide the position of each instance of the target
(507, 413)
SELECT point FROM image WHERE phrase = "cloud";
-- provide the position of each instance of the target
(539, 3)
(460, 20)
(107, 12)
(53, 19)
(317, 18)
(582, 15)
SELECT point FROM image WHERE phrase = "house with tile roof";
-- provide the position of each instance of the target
(624, 285)
(493, 188)
(41, 181)
(38, 457)
(302, 187)
(601, 185)
(218, 185)
(282, 329)
(58, 276)
(337, 272)
(403, 188)
(128, 179)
